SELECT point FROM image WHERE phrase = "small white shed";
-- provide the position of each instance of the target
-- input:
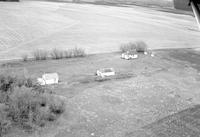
(48, 78)
(105, 72)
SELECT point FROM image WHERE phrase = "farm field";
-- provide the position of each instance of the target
(31, 25)
(149, 96)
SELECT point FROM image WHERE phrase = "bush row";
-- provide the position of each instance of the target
(56, 54)
(138, 46)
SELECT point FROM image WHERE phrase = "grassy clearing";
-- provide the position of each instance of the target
(138, 46)
(25, 104)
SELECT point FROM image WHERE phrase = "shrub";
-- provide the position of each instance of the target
(5, 124)
(30, 108)
(40, 54)
(25, 57)
(56, 105)
(138, 46)
(7, 82)
(27, 82)
(78, 52)
(23, 105)
(68, 53)
(128, 47)
(141, 46)
(57, 54)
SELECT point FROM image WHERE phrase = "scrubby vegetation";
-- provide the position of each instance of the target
(138, 46)
(25, 104)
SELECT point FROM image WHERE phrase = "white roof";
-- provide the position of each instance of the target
(105, 70)
(49, 76)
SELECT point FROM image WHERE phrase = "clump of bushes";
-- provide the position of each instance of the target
(68, 53)
(75, 52)
(26, 104)
(29, 109)
(141, 46)
(40, 54)
(25, 57)
(78, 52)
(138, 46)
(128, 47)
(71, 53)
(7, 82)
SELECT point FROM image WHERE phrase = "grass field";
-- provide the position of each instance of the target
(131, 104)
(31, 25)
